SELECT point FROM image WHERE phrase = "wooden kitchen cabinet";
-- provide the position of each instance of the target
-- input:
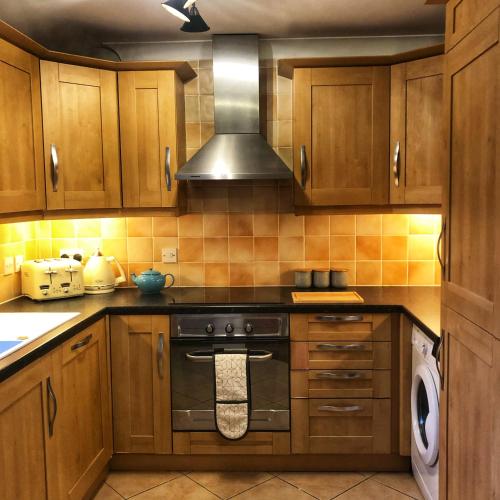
(152, 136)
(418, 146)
(22, 185)
(468, 411)
(341, 126)
(83, 425)
(81, 137)
(472, 194)
(140, 370)
(28, 454)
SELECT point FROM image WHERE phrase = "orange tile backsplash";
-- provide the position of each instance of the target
(242, 249)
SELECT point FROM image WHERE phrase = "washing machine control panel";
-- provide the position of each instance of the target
(421, 342)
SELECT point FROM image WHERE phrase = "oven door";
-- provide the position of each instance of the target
(192, 375)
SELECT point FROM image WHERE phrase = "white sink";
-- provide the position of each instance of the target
(19, 329)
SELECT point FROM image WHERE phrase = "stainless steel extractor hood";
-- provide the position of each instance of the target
(237, 151)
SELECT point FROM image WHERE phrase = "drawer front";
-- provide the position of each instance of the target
(341, 355)
(340, 426)
(333, 327)
(83, 340)
(341, 383)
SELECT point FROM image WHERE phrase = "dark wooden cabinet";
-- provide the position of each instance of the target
(418, 146)
(341, 126)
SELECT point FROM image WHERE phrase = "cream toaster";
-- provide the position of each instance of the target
(45, 279)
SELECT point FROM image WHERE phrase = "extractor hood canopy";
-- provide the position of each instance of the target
(237, 151)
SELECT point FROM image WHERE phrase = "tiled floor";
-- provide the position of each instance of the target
(259, 486)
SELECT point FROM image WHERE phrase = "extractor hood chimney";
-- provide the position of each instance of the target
(237, 150)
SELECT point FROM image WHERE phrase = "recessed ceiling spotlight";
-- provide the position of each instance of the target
(177, 8)
(197, 24)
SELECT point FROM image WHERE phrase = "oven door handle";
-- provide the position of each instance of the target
(202, 357)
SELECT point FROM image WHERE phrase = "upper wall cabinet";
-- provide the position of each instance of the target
(21, 150)
(341, 130)
(417, 132)
(152, 136)
(81, 138)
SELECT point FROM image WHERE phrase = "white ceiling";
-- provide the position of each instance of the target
(63, 24)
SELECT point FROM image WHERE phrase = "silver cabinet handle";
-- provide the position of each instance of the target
(340, 319)
(51, 408)
(54, 167)
(81, 343)
(438, 360)
(438, 246)
(340, 347)
(395, 164)
(339, 375)
(203, 357)
(168, 177)
(159, 354)
(303, 166)
(340, 409)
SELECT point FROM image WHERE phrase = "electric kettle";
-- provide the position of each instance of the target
(99, 276)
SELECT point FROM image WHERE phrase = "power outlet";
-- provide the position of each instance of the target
(169, 255)
(18, 261)
(8, 266)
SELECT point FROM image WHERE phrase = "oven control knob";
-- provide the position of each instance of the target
(248, 328)
(210, 328)
(229, 328)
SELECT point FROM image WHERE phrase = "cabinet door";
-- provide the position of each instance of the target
(27, 454)
(418, 143)
(468, 413)
(473, 185)
(22, 185)
(141, 384)
(341, 125)
(80, 121)
(152, 136)
(83, 429)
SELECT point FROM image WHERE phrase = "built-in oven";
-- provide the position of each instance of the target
(195, 338)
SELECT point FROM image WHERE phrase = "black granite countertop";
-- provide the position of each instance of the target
(421, 304)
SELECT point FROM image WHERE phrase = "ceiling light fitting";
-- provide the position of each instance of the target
(196, 23)
(177, 8)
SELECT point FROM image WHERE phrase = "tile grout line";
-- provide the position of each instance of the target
(393, 488)
(203, 486)
(109, 486)
(153, 487)
(300, 489)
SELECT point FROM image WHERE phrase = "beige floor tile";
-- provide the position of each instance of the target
(401, 481)
(181, 487)
(129, 484)
(273, 490)
(228, 484)
(372, 490)
(322, 485)
(107, 493)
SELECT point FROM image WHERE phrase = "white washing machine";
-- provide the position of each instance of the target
(425, 415)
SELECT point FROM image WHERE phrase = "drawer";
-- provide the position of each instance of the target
(340, 426)
(341, 384)
(341, 355)
(331, 327)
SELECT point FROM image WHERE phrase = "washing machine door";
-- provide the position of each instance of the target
(425, 415)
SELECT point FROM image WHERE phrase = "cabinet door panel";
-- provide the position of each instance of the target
(85, 419)
(27, 459)
(467, 451)
(80, 107)
(473, 184)
(417, 127)
(341, 119)
(141, 384)
(152, 137)
(21, 151)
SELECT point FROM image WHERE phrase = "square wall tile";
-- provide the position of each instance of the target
(368, 248)
(191, 274)
(291, 248)
(317, 248)
(240, 225)
(394, 247)
(394, 272)
(421, 273)
(266, 273)
(191, 225)
(265, 248)
(190, 249)
(140, 249)
(342, 247)
(215, 250)
(139, 226)
(265, 224)
(88, 228)
(317, 225)
(165, 226)
(216, 274)
(369, 273)
(291, 225)
(342, 224)
(215, 225)
(424, 223)
(421, 247)
(241, 274)
(368, 224)
(241, 249)
(395, 224)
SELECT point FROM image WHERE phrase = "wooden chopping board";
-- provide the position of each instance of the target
(327, 298)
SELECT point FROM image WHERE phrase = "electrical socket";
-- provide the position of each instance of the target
(8, 266)
(18, 261)
(169, 255)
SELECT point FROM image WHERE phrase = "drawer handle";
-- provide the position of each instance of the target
(341, 376)
(340, 319)
(82, 343)
(340, 409)
(339, 347)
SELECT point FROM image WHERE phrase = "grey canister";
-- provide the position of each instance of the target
(303, 278)
(339, 278)
(321, 278)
